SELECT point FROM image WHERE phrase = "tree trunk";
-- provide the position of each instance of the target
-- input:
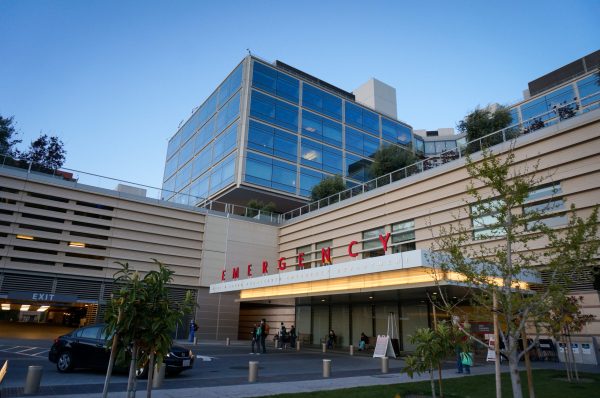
(432, 383)
(440, 380)
(132, 367)
(528, 364)
(562, 341)
(150, 375)
(572, 354)
(113, 356)
(497, 346)
(513, 363)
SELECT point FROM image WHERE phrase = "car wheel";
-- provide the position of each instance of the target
(141, 372)
(65, 362)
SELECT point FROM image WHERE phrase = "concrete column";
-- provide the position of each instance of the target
(159, 375)
(227, 341)
(195, 340)
(385, 365)
(32, 381)
(326, 367)
(298, 345)
(324, 347)
(252, 371)
(351, 350)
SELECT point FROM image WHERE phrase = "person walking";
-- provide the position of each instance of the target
(193, 330)
(264, 332)
(331, 339)
(282, 336)
(293, 337)
(364, 340)
(254, 336)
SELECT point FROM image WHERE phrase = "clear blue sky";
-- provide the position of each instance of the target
(113, 79)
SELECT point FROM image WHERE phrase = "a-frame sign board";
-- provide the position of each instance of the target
(384, 348)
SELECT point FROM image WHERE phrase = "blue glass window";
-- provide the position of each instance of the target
(322, 102)
(230, 85)
(587, 87)
(312, 154)
(186, 152)
(274, 111)
(362, 118)
(418, 143)
(514, 115)
(225, 143)
(321, 128)
(539, 106)
(333, 160)
(395, 132)
(170, 167)
(173, 145)
(361, 143)
(272, 173)
(168, 189)
(227, 113)
(208, 109)
(272, 141)
(205, 135)
(202, 161)
(357, 168)
(274, 82)
(183, 177)
(199, 189)
(222, 174)
(308, 179)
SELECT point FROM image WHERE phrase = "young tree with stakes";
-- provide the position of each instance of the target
(510, 249)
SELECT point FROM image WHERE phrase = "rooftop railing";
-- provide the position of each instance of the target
(81, 179)
(558, 114)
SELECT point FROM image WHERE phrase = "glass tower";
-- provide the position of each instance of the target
(271, 132)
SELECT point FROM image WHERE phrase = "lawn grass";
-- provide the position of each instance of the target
(547, 384)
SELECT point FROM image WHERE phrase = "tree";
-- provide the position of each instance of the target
(8, 136)
(433, 346)
(496, 266)
(391, 158)
(142, 318)
(45, 152)
(563, 318)
(259, 205)
(327, 187)
(482, 122)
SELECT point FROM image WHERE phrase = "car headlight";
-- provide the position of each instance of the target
(190, 354)
(168, 355)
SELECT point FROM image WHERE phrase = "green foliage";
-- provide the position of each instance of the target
(391, 158)
(259, 205)
(482, 122)
(142, 315)
(432, 347)
(8, 136)
(46, 152)
(327, 187)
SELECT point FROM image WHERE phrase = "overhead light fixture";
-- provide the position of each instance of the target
(25, 307)
(76, 244)
(322, 299)
(43, 308)
(434, 292)
(26, 237)
(312, 155)
(310, 129)
(370, 297)
(5, 307)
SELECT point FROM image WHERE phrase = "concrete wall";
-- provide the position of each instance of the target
(378, 96)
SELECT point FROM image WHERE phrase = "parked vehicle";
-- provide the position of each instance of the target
(88, 347)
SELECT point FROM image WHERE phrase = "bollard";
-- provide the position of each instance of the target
(324, 347)
(32, 381)
(195, 340)
(252, 371)
(298, 345)
(227, 341)
(351, 350)
(326, 367)
(159, 375)
(385, 365)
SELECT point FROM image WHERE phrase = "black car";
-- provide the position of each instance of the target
(86, 347)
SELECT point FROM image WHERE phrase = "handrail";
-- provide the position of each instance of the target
(558, 114)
